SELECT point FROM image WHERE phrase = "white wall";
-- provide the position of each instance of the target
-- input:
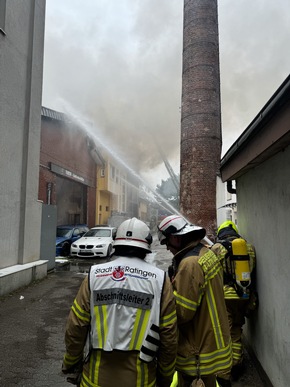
(263, 196)
(21, 64)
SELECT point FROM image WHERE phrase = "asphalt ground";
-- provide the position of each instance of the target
(32, 323)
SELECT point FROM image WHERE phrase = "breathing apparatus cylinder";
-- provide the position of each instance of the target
(241, 262)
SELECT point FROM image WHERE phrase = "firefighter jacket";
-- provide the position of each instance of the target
(231, 289)
(127, 308)
(204, 336)
(238, 307)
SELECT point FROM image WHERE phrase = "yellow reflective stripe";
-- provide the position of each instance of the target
(237, 346)
(208, 261)
(207, 357)
(85, 382)
(174, 382)
(142, 374)
(237, 351)
(167, 371)
(139, 330)
(214, 270)
(218, 353)
(185, 302)
(101, 324)
(210, 299)
(209, 363)
(167, 319)
(71, 360)
(230, 293)
(79, 312)
(95, 361)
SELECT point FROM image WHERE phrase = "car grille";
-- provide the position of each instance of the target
(83, 247)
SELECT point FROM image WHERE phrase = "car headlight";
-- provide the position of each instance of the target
(73, 245)
(99, 246)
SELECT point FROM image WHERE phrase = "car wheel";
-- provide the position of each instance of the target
(109, 252)
(66, 250)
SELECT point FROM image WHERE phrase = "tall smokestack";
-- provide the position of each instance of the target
(201, 114)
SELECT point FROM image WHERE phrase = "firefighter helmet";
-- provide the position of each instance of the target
(177, 225)
(227, 229)
(135, 233)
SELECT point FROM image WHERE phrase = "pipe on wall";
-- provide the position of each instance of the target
(230, 187)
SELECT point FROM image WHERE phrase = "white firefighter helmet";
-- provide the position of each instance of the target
(133, 232)
(177, 225)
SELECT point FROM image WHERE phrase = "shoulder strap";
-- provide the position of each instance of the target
(229, 273)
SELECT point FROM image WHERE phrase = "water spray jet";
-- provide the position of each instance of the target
(81, 122)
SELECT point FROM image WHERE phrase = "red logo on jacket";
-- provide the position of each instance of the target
(118, 273)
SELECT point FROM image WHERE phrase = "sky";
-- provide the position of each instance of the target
(118, 64)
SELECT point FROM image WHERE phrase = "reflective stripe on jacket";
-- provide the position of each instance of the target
(204, 333)
(106, 368)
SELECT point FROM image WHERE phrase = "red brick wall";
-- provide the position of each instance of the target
(201, 114)
(65, 145)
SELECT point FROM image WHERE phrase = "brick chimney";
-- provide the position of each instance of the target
(200, 114)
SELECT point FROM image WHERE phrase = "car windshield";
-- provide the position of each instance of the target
(64, 232)
(100, 232)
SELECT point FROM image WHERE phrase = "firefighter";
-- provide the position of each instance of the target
(122, 326)
(204, 345)
(239, 300)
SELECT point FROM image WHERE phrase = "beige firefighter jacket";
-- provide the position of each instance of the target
(204, 334)
(122, 368)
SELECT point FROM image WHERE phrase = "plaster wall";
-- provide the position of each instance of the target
(21, 64)
(263, 197)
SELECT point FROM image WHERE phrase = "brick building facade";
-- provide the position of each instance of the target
(67, 172)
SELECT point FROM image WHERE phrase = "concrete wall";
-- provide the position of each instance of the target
(263, 196)
(21, 64)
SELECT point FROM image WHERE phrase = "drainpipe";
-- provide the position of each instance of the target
(49, 189)
(230, 188)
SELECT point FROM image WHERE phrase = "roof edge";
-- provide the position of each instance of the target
(274, 103)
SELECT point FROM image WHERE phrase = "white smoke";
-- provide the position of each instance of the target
(119, 63)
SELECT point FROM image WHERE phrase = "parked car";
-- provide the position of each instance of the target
(97, 242)
(66, 235)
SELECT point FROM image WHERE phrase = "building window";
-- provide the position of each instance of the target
(100, 208)
(2, 16)
(112, 172)
(107, 208)
(102, 172)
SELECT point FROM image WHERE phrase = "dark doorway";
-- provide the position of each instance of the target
(71, 199)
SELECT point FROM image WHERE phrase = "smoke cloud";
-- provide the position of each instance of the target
(254, 59)
(119, 63)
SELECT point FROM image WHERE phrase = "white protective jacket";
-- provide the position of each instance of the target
(125, 306)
